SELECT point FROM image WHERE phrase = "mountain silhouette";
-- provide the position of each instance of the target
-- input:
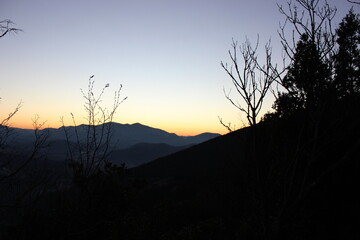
(132, 144)
(123, 135)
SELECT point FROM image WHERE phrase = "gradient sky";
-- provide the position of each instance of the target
(165, 53)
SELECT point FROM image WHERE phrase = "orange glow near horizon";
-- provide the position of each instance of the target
(182, 121)
(188, 119)
(178, 130)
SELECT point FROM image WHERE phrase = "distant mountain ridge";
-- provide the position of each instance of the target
(132, 144)
(123, 135)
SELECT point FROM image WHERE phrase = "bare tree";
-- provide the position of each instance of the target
(252, 80)
(310, 23)
(6, 27)
(89, 154)
(313, 20)
(22, 177)
(13, 167)
(5, 130)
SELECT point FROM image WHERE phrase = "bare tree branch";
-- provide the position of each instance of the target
(89, 153)
(5, 27)
(313, 21)
(227, 126)
(5, 131)
(251, 80)
(39, 142)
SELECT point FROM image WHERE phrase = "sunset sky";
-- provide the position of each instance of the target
(165, 53)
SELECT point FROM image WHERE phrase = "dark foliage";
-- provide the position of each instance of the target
(307, 79)
(87, 209)
(347, 59)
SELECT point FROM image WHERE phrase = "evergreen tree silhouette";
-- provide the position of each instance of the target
(347, 59)
(307, 79)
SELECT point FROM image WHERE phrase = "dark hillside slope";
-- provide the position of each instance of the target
(204, 159)
(283, 179)
(142, 153)
(196, 186)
